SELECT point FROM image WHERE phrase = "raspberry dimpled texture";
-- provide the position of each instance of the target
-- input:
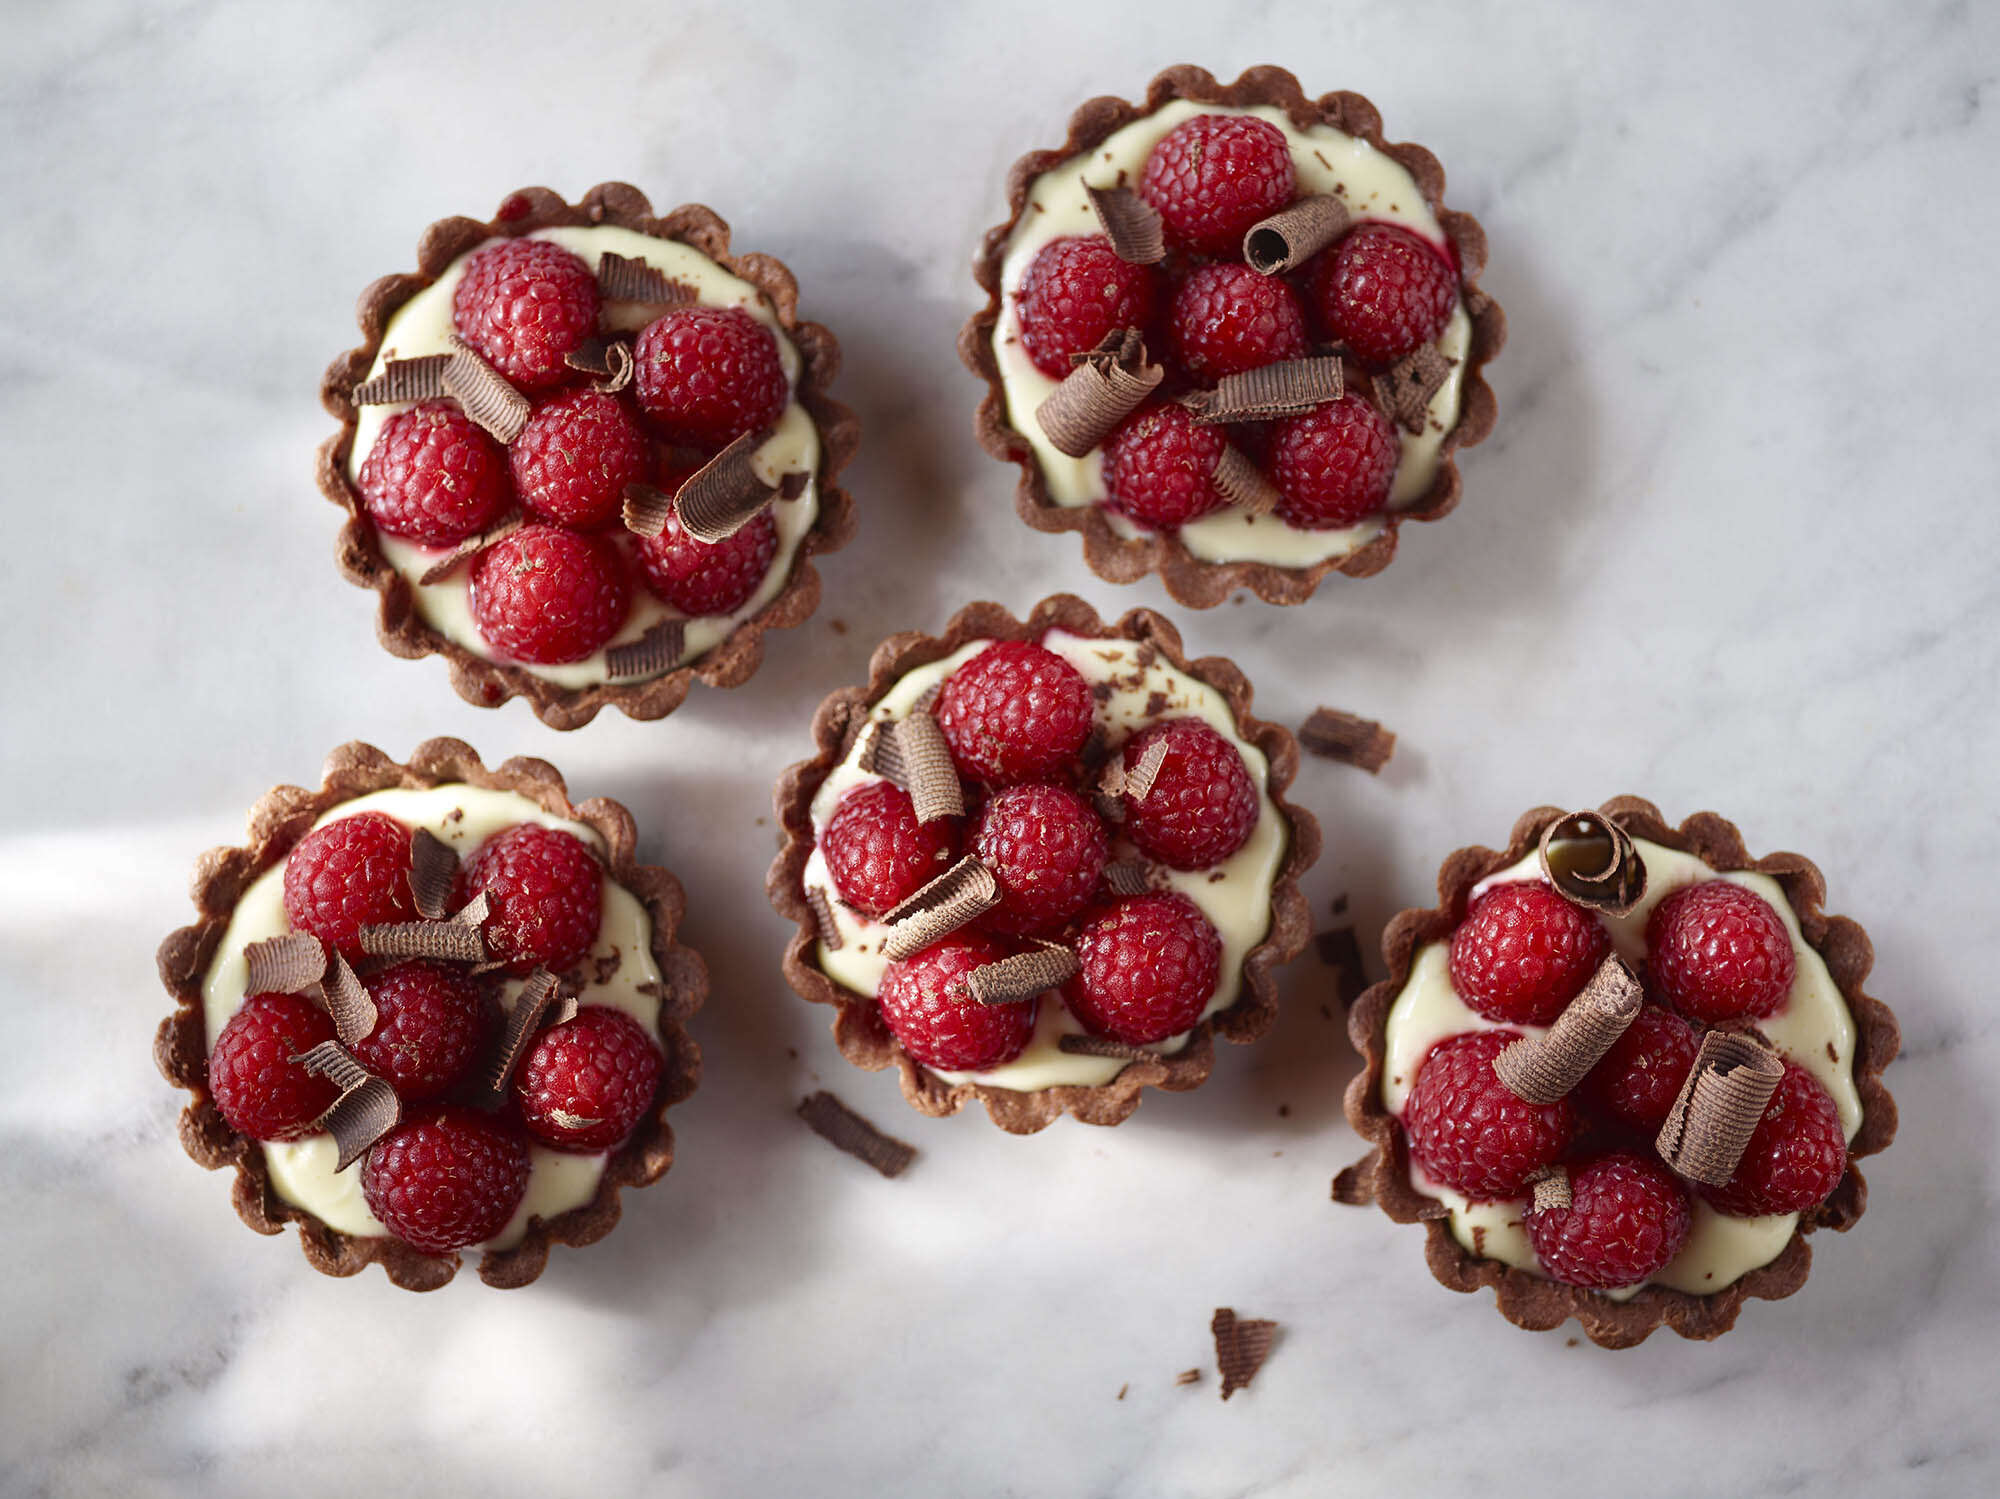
(1015, 712)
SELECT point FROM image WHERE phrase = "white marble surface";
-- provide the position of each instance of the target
(1733, 545)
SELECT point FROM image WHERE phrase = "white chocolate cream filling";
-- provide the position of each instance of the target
(1324, 160)
(1814, 1029)
(463, 816)
(423, 326)
(1235, 895)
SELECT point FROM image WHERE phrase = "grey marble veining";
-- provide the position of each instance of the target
(1733, 545)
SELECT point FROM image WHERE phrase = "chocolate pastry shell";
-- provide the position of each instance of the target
(487, 683)
(1192, 581)
(858, 1027)
(278, 820)
(1383, 1176)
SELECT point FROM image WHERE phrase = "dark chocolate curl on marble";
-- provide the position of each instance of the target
(349, 1003)
(419, 379)
(1552, 1189)
(1106, 1046)
(1241, 1346)
(911, 751)
(822, 909)
(287, 964)
(1709, 1126)
(652, 653)
(1102, 388)
(646, 509)
(1288, 388)
(621, 278)
(724, 495)
(483, 393)
(1592, 862)
(1246, 486)
(1541, 1069)
(960, 895)
(842, 1128)
(469, 548)
(1133, 225)
(1404, 390)
(433, 868)
(1016, 979)
(539, 1002)
(430, 941)
(1348, 738)
(608, 360)
(1292, 236)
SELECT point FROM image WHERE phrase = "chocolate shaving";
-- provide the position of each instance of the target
(1105, 1046)
(1102, 388)
(433, 941)
(1188, 1376)
(1131, 224)
(608, 359)
(1348, 738)
(1013, 980)
(1238, 480)
(404, 380)
(1593, 863)
(652, 653)
(621, 278)
(539, 1000)
(647, 507)
(284, 965)
(911, 751)
(474, 911)
(349, 1003)
(1709, 1126)
(469, 548)
(1292, 236)
(1133, 876)
(483, 393)
(1241, 1346)
(1404, 390)
(1287, 388)
(961, 894)
(1541, 1069)
(793, 484)
(1552, 1189)
(367, 1108)
(1136, 781)
(433, 867)
(822, 909)
(842, 1128)
(724, 495)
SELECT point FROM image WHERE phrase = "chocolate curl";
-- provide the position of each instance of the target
(652, 653)
(609, 360)
(1137, 781)
(1541, 1069)
(1131, 224)
(349, 1003)
(1105, 1046)
(474, 911)
(1292, 236)
(1552, 1190)
(963, 893)
(646, 509)
(1605, 874)
(1287, 388)
(284, 965)
(911, 751)
(1708, 1128)
(433, 941)
(367, 1108)
(822, 909)
(483, 393)
(1102, 388)
(1019, 978)
(1241, 1346)
(469, 548)
(1348, 738)
(1243, 484)
(1133, 876)
(842, 1128)
(1404, 390)
(539, 1000)
(404, 380)
(433, 867)
(724, 495)
(621, 278)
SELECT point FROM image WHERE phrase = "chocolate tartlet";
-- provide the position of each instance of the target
(1087, 822)
(536, 439)
(1752, 1089)
(624, 973)
(1348, 214)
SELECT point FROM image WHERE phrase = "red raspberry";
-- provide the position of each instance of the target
(1202, 805)
(1159, 467)
(708, 375)
(1074, 292)
(1636, 1083)
(924, 1002)
(1149, 968)
(1334, 464)
(349, 874)
(1046, 848)
(1523, 953)
(1718, 952)
(1015, 712)
(548, 595)
(584, 1084)
(701, 577)
(430, 1022)
(445, 1178)
(1227, 319)
(1628, 1216)
(878, 853)
(576, 455)
(524, 303)
(1214, 176)
(545, 895)
(1384, 293)
(433, 476)
(1469, 1132)
(1796, 1155)
(260, 1090)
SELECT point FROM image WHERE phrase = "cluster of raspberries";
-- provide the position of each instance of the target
(1017, 718)
(1717, 955)
(1379, 293)
(450, 1175)
(560, 587)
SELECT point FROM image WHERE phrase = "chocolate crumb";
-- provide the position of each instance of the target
(1241, 1346)
(1348, 738)
(1188, 1376)
(838, 1125)
(1404, 390)
(1122, 1389)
